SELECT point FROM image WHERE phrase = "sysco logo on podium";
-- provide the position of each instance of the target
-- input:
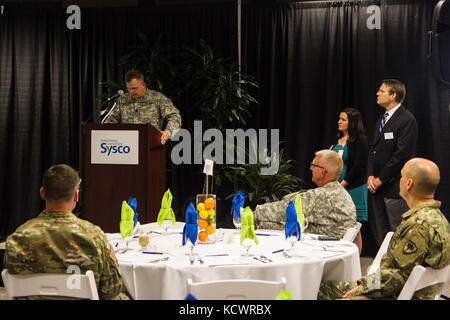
(115, 147)
(108, 149)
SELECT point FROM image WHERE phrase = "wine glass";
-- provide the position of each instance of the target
(292, 240)
(303, 228)
(305, 224)
(191, 253)
(247, 244)
(237, 221)
(165, 225)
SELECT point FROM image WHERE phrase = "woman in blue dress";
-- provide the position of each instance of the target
(353, 148)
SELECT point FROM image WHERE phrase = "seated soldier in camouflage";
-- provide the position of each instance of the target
(142, 105)
(422, 238)
(57, 241)
(329, 208)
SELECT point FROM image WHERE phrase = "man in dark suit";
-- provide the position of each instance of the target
(393, 144)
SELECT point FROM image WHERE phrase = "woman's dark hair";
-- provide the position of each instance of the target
(355, 125)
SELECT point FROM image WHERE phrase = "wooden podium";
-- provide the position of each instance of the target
(106, 183)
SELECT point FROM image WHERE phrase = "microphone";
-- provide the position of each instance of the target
(115, 95)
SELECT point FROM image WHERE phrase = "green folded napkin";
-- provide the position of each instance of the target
(283, 295)
(166, 212)
(127, 220)
(299, 209)
(247, 225)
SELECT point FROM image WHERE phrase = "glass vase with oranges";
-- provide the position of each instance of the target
(206, 208)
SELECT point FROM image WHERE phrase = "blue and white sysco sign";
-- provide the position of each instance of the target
(115, 147)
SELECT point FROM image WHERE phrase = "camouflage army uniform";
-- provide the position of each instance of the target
(152, 108)
(55, 240)
(421, 239)
(329, 209)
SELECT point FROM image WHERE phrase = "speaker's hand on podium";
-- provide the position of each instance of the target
(164, 137)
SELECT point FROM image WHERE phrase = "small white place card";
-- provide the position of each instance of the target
(208, 168)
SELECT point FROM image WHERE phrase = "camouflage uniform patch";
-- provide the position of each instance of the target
(153, 108)
(56, 241)
(112, 254)
(422, 238)
(329, 210)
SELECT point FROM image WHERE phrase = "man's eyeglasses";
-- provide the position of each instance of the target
(316, 165)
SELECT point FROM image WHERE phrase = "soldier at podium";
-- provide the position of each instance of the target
(143, 105)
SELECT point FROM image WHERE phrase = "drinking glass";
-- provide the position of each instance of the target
(303, 227)
(292, 240)
(191, 253)
(247, 244)
(305, 224)
(165, 225)
(143, 241)
(237, 222)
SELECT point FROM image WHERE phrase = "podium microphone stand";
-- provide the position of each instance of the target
(110, 110)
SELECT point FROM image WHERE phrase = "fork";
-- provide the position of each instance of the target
(266, 259)
(162, 259)
(324, 247)
(287, 255)
(259, 259)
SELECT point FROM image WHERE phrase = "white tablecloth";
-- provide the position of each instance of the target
(313, 261)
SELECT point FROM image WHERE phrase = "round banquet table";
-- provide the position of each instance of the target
(147, 277)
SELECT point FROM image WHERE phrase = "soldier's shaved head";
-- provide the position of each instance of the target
(424, 173)
(419, 180)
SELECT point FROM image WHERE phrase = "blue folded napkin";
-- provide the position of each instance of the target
(190, 229)
(190, 297)
(291, 227)
(132, 202)
(238, 203)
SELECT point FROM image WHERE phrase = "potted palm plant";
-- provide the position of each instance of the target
(259, 188)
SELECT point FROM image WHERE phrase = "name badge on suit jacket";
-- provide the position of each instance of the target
(388, 135)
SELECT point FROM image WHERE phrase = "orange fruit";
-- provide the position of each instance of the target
(203, 214)
(202, 236)
(202, 224)
(210, 203)
(210, 229)
(200, 206)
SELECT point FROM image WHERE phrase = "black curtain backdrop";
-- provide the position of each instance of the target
(36, 123)
(311, 59)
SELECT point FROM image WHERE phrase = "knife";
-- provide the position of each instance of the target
(217, 255)
(256, 258)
